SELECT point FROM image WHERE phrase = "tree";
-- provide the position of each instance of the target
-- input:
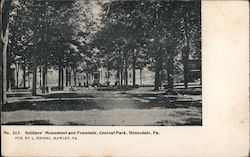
(19, 51)
(191, 23)
(119, 35)
(122, 22)
(84, 22)
(4, 12)
(59, 26)
(25, 37)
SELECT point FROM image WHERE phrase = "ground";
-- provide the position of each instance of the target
(140, 106)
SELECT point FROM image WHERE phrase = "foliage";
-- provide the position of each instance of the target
(119, 35)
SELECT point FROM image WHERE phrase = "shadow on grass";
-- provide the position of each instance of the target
(19, 95)
(68, 95)
(130, 101)
(188, 122)
(34, 122)
(169, 104)
(52, 105)
(159, 100)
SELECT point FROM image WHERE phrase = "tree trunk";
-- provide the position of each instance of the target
(186, 52)
(200, 78)
(158, 68)
(126, 77)
(87, 79)
(60, 79)
(44, 78)
(186, 66)
(34, 75)
(46, 75)
(3, 75)
(134, 68)
(40, 76)
(17, 75)
(8, 81)
(121, 68)
(118, 76)
(141, 76)
(43, 85)
(170, 81)
(200, 72)
(170, 70)
(121, 77)
(62, 85)
(157, 79)
(67, 76)
(4, 34)
(75, 74)
(34, 66)
(126, 68)
(24, 76)
(108, 82)
(29, 79)
(67, 73)
(186, 73)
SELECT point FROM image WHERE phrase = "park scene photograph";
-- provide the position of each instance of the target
(101, 62)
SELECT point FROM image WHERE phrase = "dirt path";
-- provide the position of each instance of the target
(136, 107)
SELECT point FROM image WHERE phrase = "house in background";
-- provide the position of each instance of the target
(194, 69)
(111, 77)
(101, 77)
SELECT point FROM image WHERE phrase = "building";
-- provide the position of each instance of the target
(101, 77)
(194, 69)
(143, 77)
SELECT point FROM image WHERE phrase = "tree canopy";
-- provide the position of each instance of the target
(119, 35)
